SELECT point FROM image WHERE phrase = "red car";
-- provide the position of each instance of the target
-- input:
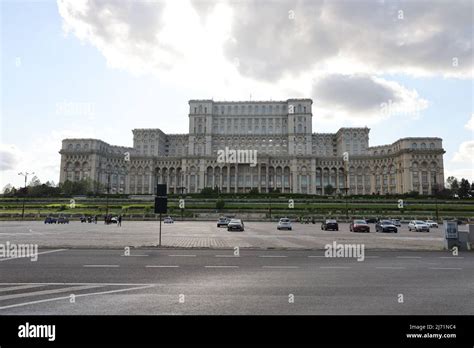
(359, 226)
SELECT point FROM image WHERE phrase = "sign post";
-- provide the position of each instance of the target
(161, 203)
(451, 235)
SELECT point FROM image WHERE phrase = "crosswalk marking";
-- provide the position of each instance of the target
(48, 292)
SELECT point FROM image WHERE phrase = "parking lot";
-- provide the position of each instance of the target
(205, 234)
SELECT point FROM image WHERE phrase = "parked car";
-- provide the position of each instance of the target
(63, 220)
(50, 220)
(113, 220)
(396, 222)
(168, 220)
(385, 226)
(359, 226)
(223, 221)
(330, 225)
(235, 225)
(418, 226)
(431, 223)
(284, 224)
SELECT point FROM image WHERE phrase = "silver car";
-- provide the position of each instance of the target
(235, 225)
(284, 224)
(418, 226)
(431, 223)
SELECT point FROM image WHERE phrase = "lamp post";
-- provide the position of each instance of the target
(25, 174)
(107, 196)
(345, 158)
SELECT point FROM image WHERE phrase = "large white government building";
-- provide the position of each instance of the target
(290, 157)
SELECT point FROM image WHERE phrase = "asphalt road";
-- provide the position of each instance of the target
(184, 281)
(205, 234)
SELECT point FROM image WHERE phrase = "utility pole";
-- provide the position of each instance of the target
(25, 174)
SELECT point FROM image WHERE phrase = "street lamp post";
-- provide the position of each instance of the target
(345, 158)
(107, 196)
(25, 174)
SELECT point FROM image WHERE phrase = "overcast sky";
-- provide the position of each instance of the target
(101, 68)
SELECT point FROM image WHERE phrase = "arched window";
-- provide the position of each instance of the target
(423, 146)
(414, 146)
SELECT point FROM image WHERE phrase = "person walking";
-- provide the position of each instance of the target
(119, 221)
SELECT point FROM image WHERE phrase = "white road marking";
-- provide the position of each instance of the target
(280, 267)
(447, 268)
(183, 255)
(48, 292)
(41, 253)
(388, 267)
(80, 295)
(105, 266)
(160, 266)
(19, 287)
(342, 267)
(221, 266)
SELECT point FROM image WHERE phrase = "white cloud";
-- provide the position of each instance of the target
(465, 153)
(41, 157)
(470, 124)
(228, 48)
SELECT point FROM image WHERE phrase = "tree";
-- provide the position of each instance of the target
(454, 186)
(7, 189)
(450, 180)
(220, 204)
(35, 181)
(253, 191)
(329, 190)
(464, 188)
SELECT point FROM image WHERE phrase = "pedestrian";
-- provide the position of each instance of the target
(95, 219)
(119, 221)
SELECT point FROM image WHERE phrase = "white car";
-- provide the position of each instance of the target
(418, 226)
(168, 220)
(284, 224)
(431, 223)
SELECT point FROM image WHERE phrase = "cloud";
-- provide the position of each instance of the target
(331, 51)
(9, 157)
(465, 153)
(470, 124)
(364, 96)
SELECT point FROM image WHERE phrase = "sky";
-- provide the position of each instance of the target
(98, 69)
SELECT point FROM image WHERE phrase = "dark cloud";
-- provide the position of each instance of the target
(358, 93)
(8, 158)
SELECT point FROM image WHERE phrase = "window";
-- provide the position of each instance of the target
(414, 146)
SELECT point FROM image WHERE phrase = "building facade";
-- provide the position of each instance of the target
(290, 157)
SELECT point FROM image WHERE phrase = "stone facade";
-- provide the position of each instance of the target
(290, 157)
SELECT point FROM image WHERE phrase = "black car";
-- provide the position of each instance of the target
(371, 220)
(385, 226)
(50, 220)
(330, 225)
(63, 220)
